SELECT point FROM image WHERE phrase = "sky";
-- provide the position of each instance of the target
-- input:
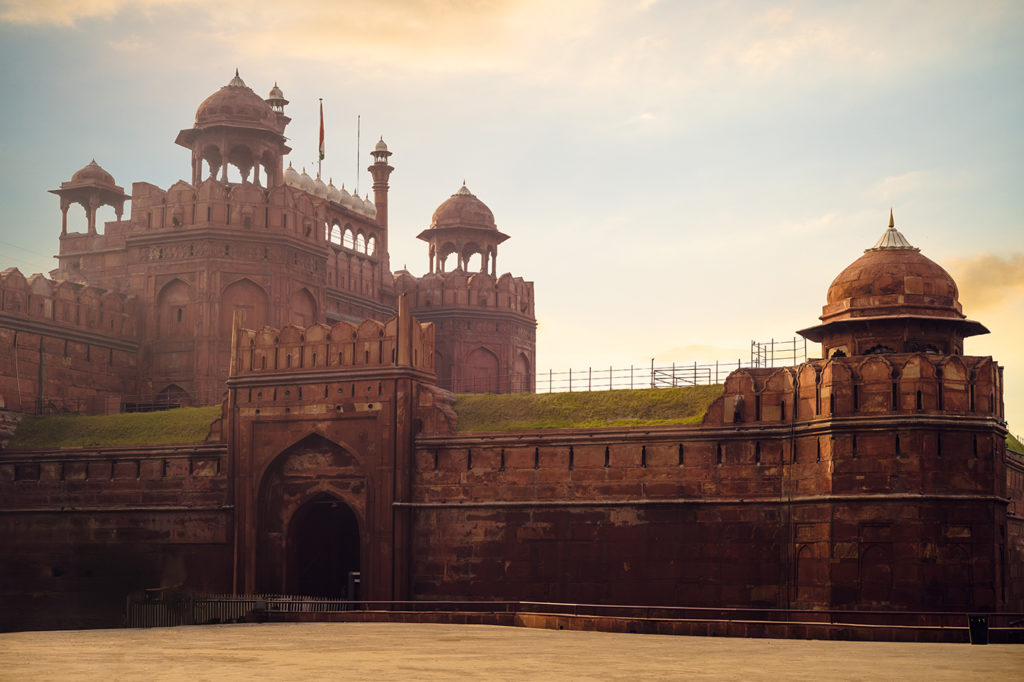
(678, 178)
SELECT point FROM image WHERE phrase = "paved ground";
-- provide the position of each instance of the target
(392, 651)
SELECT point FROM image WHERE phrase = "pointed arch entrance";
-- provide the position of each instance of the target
(323, 549)
(312, 506)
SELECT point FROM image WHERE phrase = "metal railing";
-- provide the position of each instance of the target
(763, 354)
(166, 608)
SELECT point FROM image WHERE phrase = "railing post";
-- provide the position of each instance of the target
(550, 390)
(590, 376)
(652, 373)
(631, 377)
(716, 371)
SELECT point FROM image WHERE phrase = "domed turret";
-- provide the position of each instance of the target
(236, 127)
(237, 104)
(465, 226)
(276, 99)
(892, 299)
(371, 210)
(92, 174)
(91, 187)
(463, 209)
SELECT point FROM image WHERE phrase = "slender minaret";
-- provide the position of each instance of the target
(381, 171)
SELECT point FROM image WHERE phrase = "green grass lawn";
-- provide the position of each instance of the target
(489, 412)
(1014, 444)
(183, 425)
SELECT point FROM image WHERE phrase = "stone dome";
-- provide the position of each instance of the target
(380, 146)
(345, 199)
(463, 209)
(291, 176)
(236, 104)
(333, 193)
(319, 188)
(892, 278)
(92, 174)
(305, 182)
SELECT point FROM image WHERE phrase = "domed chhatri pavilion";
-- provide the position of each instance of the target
(874, 478)
(892, 300)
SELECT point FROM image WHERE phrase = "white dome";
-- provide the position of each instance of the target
(346, 198)
(291, 176)
(371, 210)
(305, 182)
(276, 93)
(319, 188)
(357, 204)
(380, 146)
(333, 194)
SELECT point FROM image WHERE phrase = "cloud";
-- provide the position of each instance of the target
(987, 280)
(897, 186)
(131, 43)
(70, 12)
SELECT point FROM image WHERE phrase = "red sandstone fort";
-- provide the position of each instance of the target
(876, 477)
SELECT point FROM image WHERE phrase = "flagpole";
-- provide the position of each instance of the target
(358, 131)
(320, 155)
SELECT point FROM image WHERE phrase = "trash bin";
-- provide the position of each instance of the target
(977, 623)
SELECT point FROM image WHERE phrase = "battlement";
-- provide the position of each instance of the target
(898, 383)
(68, 304)
(370, 344)
(242, 206)
(459, 289)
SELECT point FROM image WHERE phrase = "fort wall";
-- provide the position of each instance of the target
(73, 347)
(91, 525)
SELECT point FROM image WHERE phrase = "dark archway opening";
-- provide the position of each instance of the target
(323, 542)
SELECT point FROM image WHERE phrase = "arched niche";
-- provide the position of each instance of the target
(479, 372)
(247, 297)
(302, 308)
(174, 310)
(522, 375)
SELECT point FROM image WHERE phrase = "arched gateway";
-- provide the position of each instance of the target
(312, 504)
(323, 549)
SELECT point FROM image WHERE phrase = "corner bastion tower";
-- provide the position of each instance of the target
(155, 294)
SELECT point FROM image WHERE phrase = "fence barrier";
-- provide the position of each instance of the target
(163, 608)
(771, 353)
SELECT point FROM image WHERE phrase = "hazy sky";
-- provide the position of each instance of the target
(678, 178)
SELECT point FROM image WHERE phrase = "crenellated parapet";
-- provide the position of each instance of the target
(63, 304)
(370, 345)
(471, 291)
(862, 386)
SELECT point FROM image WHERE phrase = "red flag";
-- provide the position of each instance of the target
(321, 130)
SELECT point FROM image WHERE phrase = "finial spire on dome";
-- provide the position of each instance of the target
(892, 239)
(237, 81)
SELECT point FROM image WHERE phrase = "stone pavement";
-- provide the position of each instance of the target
(374, 651)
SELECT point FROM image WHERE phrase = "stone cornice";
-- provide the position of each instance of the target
(672, 502)
(320, 376)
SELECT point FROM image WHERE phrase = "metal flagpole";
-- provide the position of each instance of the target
(358, 132)
(320, 157)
